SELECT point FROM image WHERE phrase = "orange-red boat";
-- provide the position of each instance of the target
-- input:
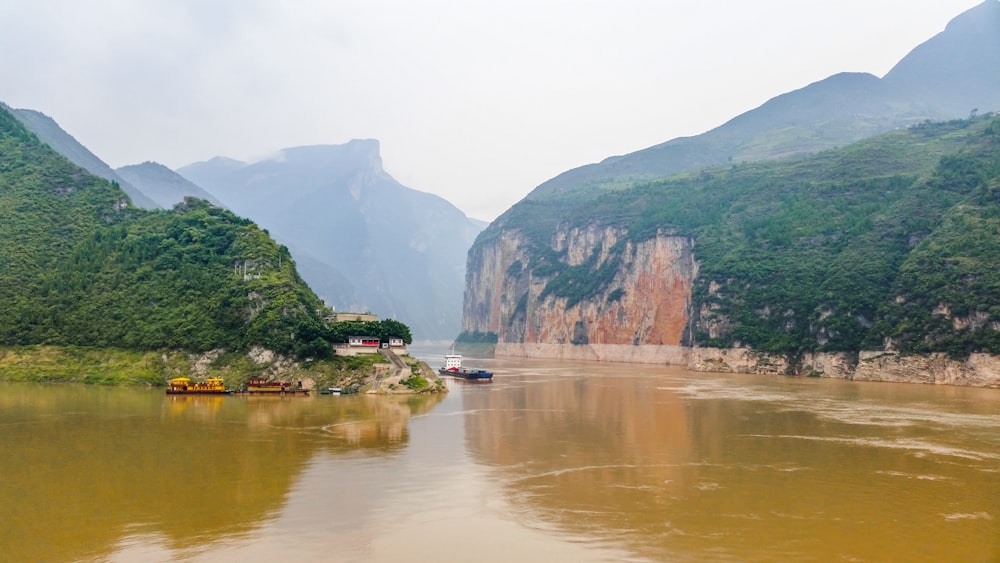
(262, 386)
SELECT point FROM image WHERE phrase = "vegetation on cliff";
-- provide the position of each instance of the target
(892, 239)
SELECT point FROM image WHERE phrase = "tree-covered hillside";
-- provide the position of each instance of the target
(892, 240)
(49, 132)
(80, 266)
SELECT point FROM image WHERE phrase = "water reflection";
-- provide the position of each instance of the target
(85, 467)
(680, 466)
(550, 462)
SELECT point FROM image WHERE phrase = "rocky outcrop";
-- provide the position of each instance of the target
(979, 370)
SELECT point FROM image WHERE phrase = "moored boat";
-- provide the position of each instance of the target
(453, 367)
(262, 386)
(184, 386)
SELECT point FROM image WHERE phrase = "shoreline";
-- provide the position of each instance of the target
(119, 367)
(979, 370)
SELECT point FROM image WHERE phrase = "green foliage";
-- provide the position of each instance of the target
(416, 383)
(616, 295)
(80, 267)
(811, 253)
(383, 330)
(577, 283)
(948, 288)
(477, 337)
(105, 366)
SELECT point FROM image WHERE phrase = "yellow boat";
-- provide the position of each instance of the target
(184, 386)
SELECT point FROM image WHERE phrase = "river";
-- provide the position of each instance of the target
(552, 461)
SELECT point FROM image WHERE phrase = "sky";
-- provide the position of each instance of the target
(477, 101)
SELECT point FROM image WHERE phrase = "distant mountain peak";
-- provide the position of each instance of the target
(956, 69)
(361, 151)
(975, 17)
(161, 184)
(223, 161)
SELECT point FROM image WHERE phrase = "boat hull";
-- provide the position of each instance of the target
(196, 392)
(282, 392)
(464, 373)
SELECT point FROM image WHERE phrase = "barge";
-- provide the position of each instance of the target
(453, 367)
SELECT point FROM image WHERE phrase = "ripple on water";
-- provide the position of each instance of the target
(914, 476)
(965, 516)
(854, 411)
(918, 447)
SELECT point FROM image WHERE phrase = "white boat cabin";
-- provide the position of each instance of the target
(452, 361)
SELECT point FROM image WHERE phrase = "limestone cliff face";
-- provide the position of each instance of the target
(646, 300)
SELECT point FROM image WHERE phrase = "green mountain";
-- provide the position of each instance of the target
(80, 266)
(65, 144)
(851, 249)
(946, 77)
(762, 233)
(954, 72)
(891, 242)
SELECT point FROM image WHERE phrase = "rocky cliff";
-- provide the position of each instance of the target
(644, 316)
(646, 301)
(875, 261)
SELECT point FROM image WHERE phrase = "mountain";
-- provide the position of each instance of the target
(51, 134)
(762, 234)
(886, 245)
(81, 267)
(162, 185)
(955, 71)
(343, 217)
(946, 77)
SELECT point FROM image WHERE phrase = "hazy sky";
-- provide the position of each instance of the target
(477, 101)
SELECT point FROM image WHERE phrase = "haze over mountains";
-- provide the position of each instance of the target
(361, 240)
(957, 70)
(946, 77)
(162, 185)
(401, 252)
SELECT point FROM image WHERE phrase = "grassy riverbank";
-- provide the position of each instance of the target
(110, 366)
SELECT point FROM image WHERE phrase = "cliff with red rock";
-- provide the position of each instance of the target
(646, 303)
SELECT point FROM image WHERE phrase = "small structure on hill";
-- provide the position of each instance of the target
(358, 345)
